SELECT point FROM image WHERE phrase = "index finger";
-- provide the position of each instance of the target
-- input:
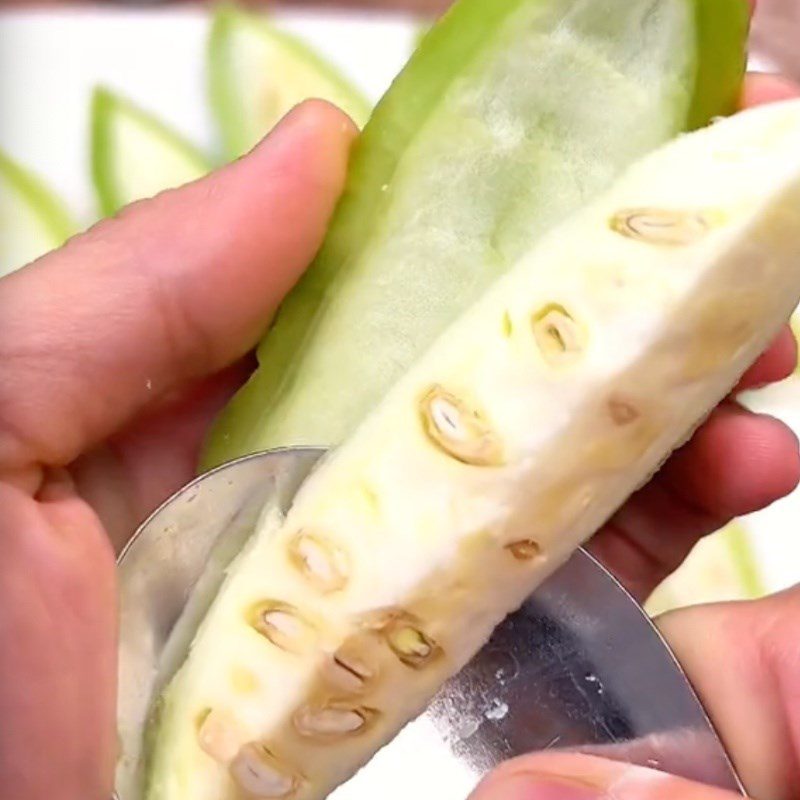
(762, 88)
(176, 288)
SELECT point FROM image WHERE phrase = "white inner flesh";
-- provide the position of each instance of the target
(427, 533)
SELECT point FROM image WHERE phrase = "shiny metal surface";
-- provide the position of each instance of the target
(578, 667)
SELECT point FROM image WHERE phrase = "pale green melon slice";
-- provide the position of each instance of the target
(505, 447)
(257, 73)
(134, 155)
(509, 116)
(33, 220)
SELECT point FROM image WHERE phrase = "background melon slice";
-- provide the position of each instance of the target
(257, 73)
(508, 117)
(134, 155)
(33, 220)
(722, 567)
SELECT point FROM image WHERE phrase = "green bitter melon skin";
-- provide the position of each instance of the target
(508, 444)
(508, 117)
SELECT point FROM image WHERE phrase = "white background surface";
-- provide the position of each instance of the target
(51, 60)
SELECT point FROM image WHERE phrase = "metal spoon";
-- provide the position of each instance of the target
(579, 667)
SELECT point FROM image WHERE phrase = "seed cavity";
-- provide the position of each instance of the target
(256, 771)
(284, 626)
(462, 432)
(661, 226)
(349, 671)
(332, 721)
(219, 735)
(525, 549)
(559, 337)
(410, 645)
(622, 411)
(321, 562)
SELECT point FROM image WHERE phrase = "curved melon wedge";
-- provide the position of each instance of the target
(504, 448)
(134, 155)
(33, 220)
(257, 73)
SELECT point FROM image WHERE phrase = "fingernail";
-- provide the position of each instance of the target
(528, 786)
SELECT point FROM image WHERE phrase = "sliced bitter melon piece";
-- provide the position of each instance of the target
(134, 155)
(33, 220)
(720, 568)
(508, 117)
(508, 444)
(257, 73)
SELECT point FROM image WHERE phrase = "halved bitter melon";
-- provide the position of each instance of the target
(508, 117)
(507, 445)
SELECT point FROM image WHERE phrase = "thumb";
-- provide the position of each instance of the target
(171, 291)
(565, 776)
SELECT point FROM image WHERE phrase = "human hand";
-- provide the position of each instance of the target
(742, 658)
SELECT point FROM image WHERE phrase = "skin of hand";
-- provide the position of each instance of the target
(115, 353)
(742, 659)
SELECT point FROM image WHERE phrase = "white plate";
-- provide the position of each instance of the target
(51, 59)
